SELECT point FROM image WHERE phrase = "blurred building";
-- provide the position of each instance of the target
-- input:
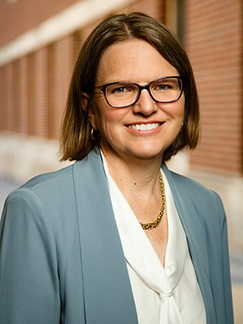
(39, 43)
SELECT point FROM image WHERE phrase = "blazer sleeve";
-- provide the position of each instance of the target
(216, 260)
(29, 288)
(228, 307)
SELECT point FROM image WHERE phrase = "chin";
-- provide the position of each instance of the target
(148, 154)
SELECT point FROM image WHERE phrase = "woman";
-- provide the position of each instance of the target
(117, 237)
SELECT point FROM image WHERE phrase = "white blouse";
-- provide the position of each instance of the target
(163, 295)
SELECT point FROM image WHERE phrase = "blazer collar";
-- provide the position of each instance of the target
(192, 224)
(107, 287)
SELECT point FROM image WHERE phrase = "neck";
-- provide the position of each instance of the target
(134, 175)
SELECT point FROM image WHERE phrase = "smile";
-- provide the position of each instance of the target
(144, 127)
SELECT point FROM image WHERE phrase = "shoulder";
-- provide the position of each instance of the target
(46, 181)
(48, 189)
(45, 204)
(204, 200)
(189, 186)
(57, 189)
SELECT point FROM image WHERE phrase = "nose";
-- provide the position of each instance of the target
(145, 104)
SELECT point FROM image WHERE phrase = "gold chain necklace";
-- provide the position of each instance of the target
(162, 209)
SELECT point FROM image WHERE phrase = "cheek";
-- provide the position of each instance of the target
(175, 111)
(103, 118)
(180, 109)
(106, 116)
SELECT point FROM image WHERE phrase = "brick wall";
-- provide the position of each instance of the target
(33, 88)
(213, 38)
(20, 16)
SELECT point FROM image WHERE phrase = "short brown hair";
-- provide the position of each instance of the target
(76, 141)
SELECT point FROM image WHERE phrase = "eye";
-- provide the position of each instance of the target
(165, 85)
(162, 87)
(120, 89)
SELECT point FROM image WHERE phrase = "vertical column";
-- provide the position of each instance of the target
(62, 62)
(23, 95)
(3, 103)
(9, 105)
(31, 95)
(15, 97)
(42, 122)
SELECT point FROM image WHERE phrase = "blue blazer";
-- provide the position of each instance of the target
(61, 258)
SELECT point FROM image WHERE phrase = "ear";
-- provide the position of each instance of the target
(87, 106)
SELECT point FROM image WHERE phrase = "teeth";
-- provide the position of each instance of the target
(144, 127)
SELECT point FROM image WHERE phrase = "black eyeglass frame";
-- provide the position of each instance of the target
(146, 87)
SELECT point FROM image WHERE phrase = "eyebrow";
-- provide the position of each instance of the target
(145, 83)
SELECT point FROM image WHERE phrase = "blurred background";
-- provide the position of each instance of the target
(39, 43)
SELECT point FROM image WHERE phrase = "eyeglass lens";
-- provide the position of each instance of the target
(126, 94)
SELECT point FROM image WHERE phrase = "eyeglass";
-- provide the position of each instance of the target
(124, 94)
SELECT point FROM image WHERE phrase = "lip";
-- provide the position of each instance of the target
(143, 127)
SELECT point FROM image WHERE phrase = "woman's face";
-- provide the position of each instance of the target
(122, 130)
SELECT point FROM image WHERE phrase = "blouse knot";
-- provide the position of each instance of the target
(166, 294)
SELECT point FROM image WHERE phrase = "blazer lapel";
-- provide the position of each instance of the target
(190, 218)
(107, 291)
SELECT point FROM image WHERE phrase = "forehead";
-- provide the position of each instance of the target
(133, 60)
